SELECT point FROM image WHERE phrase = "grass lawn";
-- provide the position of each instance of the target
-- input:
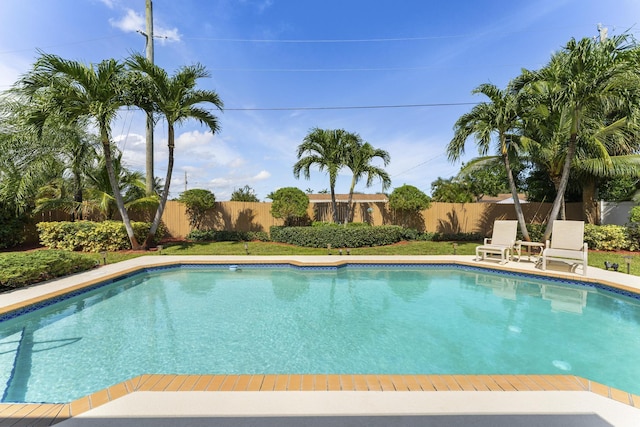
(596, 258)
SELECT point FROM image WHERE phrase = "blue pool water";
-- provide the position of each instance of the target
(356, 320)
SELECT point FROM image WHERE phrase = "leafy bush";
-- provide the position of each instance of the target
(606, 237)
(198, 203)
(338, 236)
(23, 269)
(457, 237)
(227, 236)
(634, 214)
(334, 224)
(289, 204)
(88, 236)
(536, 232)
(633, 231)
(408, 198)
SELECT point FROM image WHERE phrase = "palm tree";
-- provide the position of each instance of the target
(75, 91)
(586, 78)
(177, 99)
(358, 159)
(327, 149)
(500, 117)
(99, 194)
(604, 151)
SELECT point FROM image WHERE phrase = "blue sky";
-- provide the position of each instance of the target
(281, 54)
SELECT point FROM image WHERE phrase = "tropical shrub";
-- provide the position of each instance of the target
(606, 237)
(634, 214)
(25, 268)
(89, 236)
(408, 202)
(227, 236)
(289, 204)
(198, 203)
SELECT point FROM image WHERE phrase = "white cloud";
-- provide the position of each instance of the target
(261, 176)
(109, 3)
(132, 21)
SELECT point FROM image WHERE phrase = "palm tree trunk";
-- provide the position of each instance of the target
(106, 146)
(165, 192)
(589, 201)
(516, 199)
(349, 206)
(334, 206)
(77, 197)
(557, 203)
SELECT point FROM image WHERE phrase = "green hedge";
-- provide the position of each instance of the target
(25, 268)
(609, 237)
(338, 236)
(227, 236)
(88, 236)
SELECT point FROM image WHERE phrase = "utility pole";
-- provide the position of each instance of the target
(185, 180)
(602, 31)
(150, 179)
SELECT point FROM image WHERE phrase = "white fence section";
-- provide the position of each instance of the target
(615, 212)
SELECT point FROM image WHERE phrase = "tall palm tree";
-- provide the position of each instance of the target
(586, 78)
(326, 149)
(358, 159)
(99, 194)
(177, 99)
(499, 117)
(76, 91)
(604, 151)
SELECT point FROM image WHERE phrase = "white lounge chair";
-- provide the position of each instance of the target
(567, 244)
(503, 237)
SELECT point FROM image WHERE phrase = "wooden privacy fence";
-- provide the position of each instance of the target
(440, 217)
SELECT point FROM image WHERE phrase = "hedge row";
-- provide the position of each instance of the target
(338, 236)
(25, 268)
(89, 236)
(227, 236)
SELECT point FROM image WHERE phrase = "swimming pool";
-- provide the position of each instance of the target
(380, 319)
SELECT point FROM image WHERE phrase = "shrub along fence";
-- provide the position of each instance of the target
(442, 218)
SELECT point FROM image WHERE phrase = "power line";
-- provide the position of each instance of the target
(334, 70)
(418, 165)
(353, 107)
(301, 41)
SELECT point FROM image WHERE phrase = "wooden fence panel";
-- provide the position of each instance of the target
(440, 217)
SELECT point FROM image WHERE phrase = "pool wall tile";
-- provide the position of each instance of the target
(360, 383)
(295, 382)
(228, 383)
(255, 383)
(242, 383)
(202, 382)
(372, 382)
(216, 382)
(268, 383)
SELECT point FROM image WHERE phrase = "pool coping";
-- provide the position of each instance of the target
(47, 414)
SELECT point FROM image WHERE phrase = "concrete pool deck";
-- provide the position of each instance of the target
(232, 400)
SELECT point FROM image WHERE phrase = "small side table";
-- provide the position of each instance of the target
(529, 247)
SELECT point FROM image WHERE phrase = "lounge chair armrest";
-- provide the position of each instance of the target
(487, 240)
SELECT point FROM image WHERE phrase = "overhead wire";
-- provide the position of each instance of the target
(351, 107)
